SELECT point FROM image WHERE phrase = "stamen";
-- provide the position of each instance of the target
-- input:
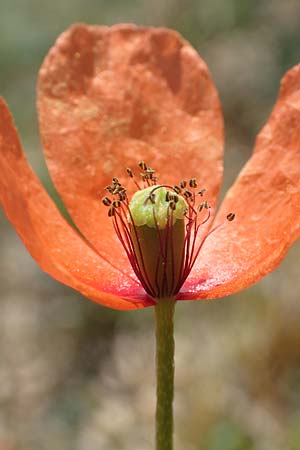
(129, 171)
(111, 211)
(110, 189)
(159, 229)
(122, 195)
(193, 183)
(168, 196)
(172, 205)
(177, 189)
(152, 198)
(150, 172)
(203, 205)
(143, 165)
(187, 194)
(131, 175)
(230, 217)
(106, 201)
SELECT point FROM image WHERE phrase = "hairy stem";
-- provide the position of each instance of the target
(164, 320)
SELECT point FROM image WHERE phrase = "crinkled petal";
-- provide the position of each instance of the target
(110, 97)
(56, 246)
(266, 200)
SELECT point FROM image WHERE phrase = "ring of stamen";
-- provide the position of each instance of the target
(162, 249)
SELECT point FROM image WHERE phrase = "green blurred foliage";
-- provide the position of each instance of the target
(226, 435)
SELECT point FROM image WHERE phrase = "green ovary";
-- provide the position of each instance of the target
(158, 240)
(142, 208)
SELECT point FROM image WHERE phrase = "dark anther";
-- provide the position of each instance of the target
(122, 195)
(116, 190)
(187, 194)
(201, 192)
(193, 183)
(143, 165)
(177, 189)
(115, 181)
(144, 176)
(116, 204)
(171, 197)
(203, 205)
(183, 184)
(111, 211)
(129, 171)
(106, 201)
(172, 205)
(230, 217)
(152, 198)
(110, 189)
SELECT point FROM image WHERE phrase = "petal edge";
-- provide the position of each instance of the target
(266, 200)
(57, 248)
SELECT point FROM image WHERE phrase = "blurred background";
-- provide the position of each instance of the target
(74, 375)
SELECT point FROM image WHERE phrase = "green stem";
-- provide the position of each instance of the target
(164, 315)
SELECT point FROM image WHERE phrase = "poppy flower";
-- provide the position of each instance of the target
(109, 97)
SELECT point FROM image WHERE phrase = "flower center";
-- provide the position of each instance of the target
(158, 229)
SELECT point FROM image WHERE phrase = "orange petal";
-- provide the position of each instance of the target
(57, 248)
(110, 97)
(266, 200)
